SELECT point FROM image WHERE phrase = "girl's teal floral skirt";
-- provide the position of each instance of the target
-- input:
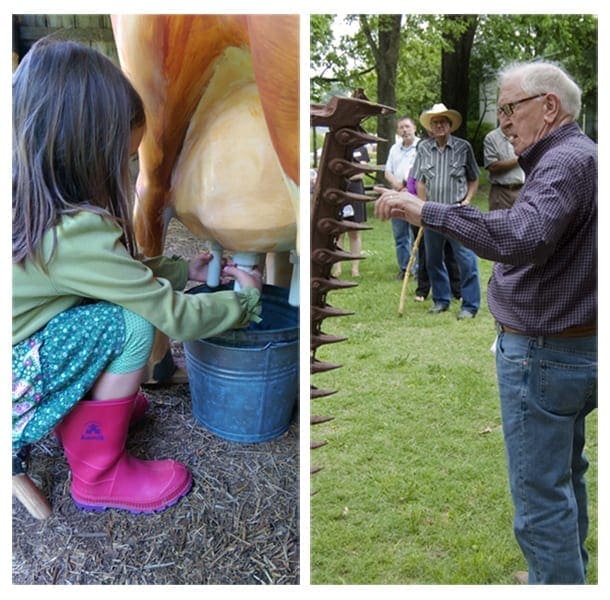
(58, 365)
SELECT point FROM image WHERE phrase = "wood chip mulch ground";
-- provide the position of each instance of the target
(238, 525)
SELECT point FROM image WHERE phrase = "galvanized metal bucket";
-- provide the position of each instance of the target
(244, 383)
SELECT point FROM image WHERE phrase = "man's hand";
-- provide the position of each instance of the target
(398, 205)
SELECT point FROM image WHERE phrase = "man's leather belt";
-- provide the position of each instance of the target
(571, 332)
(509, 186)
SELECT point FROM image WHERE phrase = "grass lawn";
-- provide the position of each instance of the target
(413, 487)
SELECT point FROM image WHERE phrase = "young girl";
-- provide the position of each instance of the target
(84, 306)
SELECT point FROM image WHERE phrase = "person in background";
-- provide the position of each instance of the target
(505, 175)
(398, 165)
(446, 171)
(423, 282)
(543, 296)
(355, 212)
(85, 305)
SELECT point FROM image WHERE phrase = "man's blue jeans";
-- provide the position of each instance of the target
(403, 240)
(547, 387)
(439, 277)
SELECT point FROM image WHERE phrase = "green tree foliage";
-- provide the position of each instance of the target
(327, 64)
(341, 63)
(570, 40)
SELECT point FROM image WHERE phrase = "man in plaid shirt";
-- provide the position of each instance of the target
(543, 295)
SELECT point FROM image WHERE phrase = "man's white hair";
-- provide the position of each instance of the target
(543, 77)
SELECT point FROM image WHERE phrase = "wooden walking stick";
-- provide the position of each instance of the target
(405, 279)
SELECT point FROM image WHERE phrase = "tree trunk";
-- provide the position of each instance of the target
(385, 51)
(455, 66)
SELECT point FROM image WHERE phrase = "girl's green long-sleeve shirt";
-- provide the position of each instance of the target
(91, 262)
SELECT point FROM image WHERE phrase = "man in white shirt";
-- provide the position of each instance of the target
(400, 160)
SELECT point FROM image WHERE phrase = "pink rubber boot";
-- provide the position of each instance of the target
(104, 476)
(140, 404)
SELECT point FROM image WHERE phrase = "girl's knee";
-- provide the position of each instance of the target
(139, 338)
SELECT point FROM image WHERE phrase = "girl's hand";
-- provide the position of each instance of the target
(253, 278)
(198, 267)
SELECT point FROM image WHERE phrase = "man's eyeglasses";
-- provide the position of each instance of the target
(509, 108)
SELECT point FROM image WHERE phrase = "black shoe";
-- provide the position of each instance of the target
(438, 308)
(400, 276)
(465, 314)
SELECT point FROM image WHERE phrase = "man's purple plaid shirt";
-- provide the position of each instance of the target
(545, 248)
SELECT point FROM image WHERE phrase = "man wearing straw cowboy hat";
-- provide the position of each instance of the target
(447, 172)
(543, 295)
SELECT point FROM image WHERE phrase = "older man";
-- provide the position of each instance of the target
(543, 295)
(447, 172)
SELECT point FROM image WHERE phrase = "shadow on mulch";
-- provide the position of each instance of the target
(238, 525)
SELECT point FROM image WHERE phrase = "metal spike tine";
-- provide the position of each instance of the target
(326, 285)
(355, 137)
(347, 168)
(325, 256)
(320, 393)
(338, 197)
(345, 112)
(318, 366)
(322, 312)
(321, 339)
(316, 420)
(315, 445)
(335, 227)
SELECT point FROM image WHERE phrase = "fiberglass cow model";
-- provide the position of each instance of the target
(221, 146)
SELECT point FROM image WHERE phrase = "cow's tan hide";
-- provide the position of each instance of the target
(206, 138)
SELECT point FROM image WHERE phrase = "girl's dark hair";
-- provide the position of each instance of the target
(73, 113)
